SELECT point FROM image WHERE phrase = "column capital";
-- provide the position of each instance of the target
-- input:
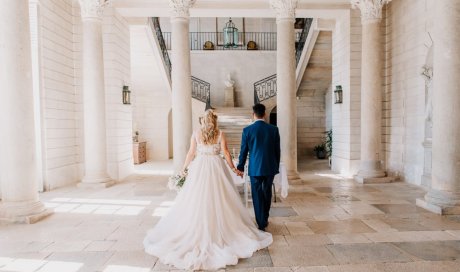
(92, 9)
(285, 9)
(181, 8)
(371, 10)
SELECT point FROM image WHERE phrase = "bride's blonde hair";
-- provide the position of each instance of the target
(209, 130)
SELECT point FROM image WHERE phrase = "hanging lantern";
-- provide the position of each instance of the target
(338, 94)
(126, 95)
(230, 34)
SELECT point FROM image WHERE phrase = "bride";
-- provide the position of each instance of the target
(208, 227)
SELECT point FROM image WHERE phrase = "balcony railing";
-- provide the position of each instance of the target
(215, 41)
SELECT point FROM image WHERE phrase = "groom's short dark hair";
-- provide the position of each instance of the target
(259, 110)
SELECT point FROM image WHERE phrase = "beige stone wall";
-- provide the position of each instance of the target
(52, 23)
(406, 27)
(311, 103)
(346, 71)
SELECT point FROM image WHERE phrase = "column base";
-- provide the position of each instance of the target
(371, 180)
(442, 203)
(95, 183)
(23, 212)
(294, 178)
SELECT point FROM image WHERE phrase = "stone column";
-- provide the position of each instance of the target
(18, 160)
(95, 137)
(444, 196)
(371, 170)
(286, 84)
(181, 80)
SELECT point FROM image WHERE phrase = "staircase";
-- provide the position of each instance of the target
(232, 121)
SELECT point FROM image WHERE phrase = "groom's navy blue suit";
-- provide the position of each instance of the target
(262, 142)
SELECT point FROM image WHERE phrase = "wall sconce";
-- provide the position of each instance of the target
(338, 94)
(126, 95)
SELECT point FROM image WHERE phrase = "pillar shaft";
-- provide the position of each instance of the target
(286, 95)
(371, 170)
(181, 81)
(371, 102)
(444, 197)
(18, 159)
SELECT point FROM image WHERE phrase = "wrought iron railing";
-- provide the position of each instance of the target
(303, 39)
(155, 24)
(265, 89)
(201, 90)
(215, 41)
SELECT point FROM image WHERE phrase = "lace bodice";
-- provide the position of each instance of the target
(202, 149)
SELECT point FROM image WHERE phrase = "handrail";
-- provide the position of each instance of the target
(155, 24)
(265, 89)
(303, 39)
(201, 90)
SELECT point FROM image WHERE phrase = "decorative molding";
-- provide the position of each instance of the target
(181, 8)
(92, 9)
(285, 9)
(371, 10)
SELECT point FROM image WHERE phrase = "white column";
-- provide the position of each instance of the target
(181, 80)
(286, 84)
(95, 139)
(18, 159)
(371, 170)
(444, 196)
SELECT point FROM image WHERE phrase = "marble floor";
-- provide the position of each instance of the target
(327, 224)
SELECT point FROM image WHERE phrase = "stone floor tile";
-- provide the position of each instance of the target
(282, 212)
(260, 258)
(272, 269)
(301, 256)
(308, 240)
(360, 207)
(413, 236)
(298, 228)
(367, 253)
(99, 246)
(455, 233)
(92, 261)
(399, 208)
(66, 246)
(357, 268)
(345, 226)
(137, 259)
(432, 250)
(384, 237)
(348, 238)
(279, 240)
(309, 269)
(426, 266)
(379, 225)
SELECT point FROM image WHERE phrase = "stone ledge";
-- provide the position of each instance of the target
(27, 219)
(96, 185)
(364, 180)
(437, 209)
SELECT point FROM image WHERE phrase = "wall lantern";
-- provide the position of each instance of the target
(230, 34)
(126, 95)
(338, 94)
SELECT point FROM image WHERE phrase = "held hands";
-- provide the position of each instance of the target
(237, 172)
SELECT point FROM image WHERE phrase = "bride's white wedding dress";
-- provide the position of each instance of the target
(207, 227)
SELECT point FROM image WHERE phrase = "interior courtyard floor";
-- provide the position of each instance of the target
(328, 224)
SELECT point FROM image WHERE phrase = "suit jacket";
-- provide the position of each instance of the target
(262, 142)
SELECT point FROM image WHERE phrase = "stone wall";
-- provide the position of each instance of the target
(52, 22)
(346, 71)
(245, 67)
(151, 96)
(405, 29)
(311, 103)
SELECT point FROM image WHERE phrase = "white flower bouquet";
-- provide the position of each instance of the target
(177, 181)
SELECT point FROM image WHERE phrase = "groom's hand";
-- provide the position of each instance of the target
(239, 173)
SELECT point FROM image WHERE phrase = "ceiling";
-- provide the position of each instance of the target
(234, 8)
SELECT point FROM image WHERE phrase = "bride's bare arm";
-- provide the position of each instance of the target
(190, 154)
(228, 157)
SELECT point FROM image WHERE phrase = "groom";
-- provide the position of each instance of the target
(262, 142)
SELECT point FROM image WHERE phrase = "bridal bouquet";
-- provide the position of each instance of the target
(177, 181)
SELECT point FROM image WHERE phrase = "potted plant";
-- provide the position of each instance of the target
(320, 151)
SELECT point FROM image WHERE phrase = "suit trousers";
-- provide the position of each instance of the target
(261, 190)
